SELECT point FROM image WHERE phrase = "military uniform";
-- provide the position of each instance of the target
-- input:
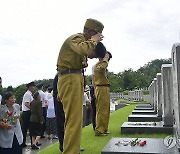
(72, 59)
(102, 97)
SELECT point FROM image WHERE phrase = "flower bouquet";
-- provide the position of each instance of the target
(10, 118)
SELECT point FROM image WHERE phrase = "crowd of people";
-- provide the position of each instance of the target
(34, 119)
(61, 110)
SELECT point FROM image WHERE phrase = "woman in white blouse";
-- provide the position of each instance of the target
(11, 136)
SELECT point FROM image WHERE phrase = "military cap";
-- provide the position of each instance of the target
(100, 50)
(39, 85)
(94, 25)
(30, 84)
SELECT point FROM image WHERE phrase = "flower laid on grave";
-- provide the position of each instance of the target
(142, 143)
(134, 142)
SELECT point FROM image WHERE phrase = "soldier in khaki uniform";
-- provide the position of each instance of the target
(72, 59)
(102, 95)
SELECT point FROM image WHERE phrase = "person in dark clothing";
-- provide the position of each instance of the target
(93, 104)
(36, 120)
(59, 112)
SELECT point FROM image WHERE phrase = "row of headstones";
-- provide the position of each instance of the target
(165, 92)
(115, 96)
(136, 95)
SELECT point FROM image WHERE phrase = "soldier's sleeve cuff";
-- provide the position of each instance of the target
(105, 60)
(94, 42)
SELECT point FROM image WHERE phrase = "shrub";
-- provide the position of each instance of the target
(146, 92)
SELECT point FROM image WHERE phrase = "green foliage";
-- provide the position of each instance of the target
(88, 79)
(115, 82)
(20, 90)
(125, 92)
(146, 92)
(10, 88)
(149, 71)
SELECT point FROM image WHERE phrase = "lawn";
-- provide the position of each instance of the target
(94, 145)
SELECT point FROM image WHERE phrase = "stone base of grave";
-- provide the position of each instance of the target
(143, 108)
(153, 146)
(142, 118)
(145, 128)
(144, 105)
(119, 105)
(149, 112)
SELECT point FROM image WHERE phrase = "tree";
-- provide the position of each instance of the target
(10, 88)
(128, 79)
(19, 93)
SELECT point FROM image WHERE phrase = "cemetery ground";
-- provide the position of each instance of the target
(93, 144)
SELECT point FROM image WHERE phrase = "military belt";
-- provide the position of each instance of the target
(71, 71)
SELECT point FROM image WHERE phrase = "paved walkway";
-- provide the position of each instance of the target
(44, 141)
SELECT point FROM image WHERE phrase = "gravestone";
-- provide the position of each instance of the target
(151, 94)
(155, 94)
(167, 95)
(141, 95)
(175, 55)
(143, 118)
(130, 97)
(159, 95)
(144, 112)
(145, 128)
(123, 146)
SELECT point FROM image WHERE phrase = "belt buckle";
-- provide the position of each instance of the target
(69, 71)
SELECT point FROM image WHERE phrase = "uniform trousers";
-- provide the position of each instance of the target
(102, 108)
(93, 104)
(70, 92)
(59, 112)
(60, 118)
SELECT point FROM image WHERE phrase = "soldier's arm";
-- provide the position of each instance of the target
(82, 47)
(102, 66)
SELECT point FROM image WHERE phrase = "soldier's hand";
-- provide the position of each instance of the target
(97, 37)
(106, 57)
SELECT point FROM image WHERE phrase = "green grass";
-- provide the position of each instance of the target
(94, 145)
